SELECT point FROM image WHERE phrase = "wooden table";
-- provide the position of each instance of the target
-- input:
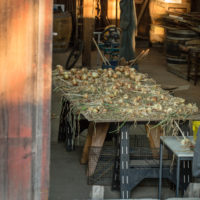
(97, 132)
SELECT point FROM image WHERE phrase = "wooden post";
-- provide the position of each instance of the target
(113, 12)
(25, 89)
(88, 29)
(104, 8)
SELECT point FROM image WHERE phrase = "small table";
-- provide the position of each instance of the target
(182, 153)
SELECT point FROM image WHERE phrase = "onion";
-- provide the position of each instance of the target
(158, 107)
(138, 98)
(73, 70)
(115, 76)
(119, 84)
(155, 99)
(126, 73)
(132, 69)
(132, 76)
(78, 76)
(127, 68)
(108, 100)
(104, 110)
(129, 86)
(118, 73)
(84, 70)
(66, 75)
(120, 101)
(95, 74)
(117, 68)
(110, 73)
(138, 78)
(60, 69)
(84, 77)
(85, 96)
(125, 96)
(74, 82)
(89, 74)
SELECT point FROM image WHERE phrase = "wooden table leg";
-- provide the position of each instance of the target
(153, 135)
(98, 138)
(88, 142)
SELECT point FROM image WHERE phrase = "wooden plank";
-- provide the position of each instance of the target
(88, 29)
(144, 5)
(25, 89)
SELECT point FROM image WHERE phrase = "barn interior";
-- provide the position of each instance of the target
(166, 62)
(100, 99)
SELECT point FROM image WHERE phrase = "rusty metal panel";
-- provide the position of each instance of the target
(25, 89)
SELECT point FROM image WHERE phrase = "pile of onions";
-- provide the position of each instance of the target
(125, 89)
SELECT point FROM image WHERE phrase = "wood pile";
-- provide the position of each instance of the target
(186, 21)
(182, 37)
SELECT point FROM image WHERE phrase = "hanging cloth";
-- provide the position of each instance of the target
(128, 25)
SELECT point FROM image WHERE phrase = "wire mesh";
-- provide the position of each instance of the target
(101, 165)
(142, 155)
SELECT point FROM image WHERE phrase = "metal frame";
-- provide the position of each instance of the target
(124, 163)
(178, 169)
(131, 177)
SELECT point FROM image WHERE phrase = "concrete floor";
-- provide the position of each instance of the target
(68, 178)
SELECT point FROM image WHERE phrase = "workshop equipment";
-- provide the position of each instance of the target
(111, 34)
(104, 59)
(110, 42)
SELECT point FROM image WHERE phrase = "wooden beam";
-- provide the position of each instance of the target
(88, 29)
(113, 12)
(144, 5)
(25, 96)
